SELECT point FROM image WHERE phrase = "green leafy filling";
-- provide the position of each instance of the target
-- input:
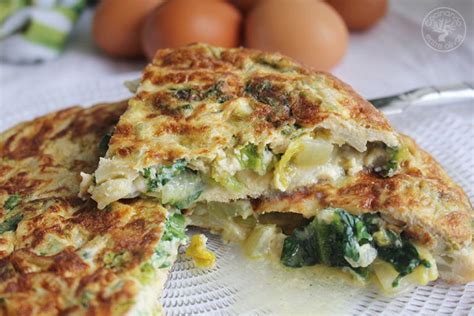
(262, 92)
(194, 94)
(86, 298)
(274, 64)
(158, 177)
(116, 260)
(104, 142)
(301, 248)
(182, 190)
(173, 236)
(174, 233)
(332, 242)
(404, 258)
(187, 94)
(175, 227)
(228, 181)
(179, 186)
(12, 202)
(396, 156)
(265, 92)
(327, 243)
(394, 248)
(147, 273)
(250, 157)
(186, 202)
(11, 223)
(216, 92)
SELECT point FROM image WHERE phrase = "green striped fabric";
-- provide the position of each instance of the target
(36, 30)
(46, 35)
(8, 7)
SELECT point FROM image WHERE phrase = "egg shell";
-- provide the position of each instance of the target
(116, 26)
(361, 14)
(309, 31)
(181, 22)
(245, 5)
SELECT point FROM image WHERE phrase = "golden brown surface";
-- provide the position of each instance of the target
(61, 255)
(202, 104)
(189, 99)
(43, 158)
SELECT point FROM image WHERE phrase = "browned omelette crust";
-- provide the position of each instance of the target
(421, 199)
(185, 106)
(34, 153)
(54, 261)
(64, 282)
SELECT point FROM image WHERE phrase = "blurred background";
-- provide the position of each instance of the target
(380, 47)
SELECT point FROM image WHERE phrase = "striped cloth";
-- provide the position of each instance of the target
(35, 30)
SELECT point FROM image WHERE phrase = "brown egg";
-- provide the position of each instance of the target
(361, 14)
(310, 31)
(245, 5)
(117, 24)
(181, 22)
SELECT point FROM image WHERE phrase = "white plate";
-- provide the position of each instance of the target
(240, 286)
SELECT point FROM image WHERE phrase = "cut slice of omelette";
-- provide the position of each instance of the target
(212, 124)
(398, 231)
(290, 162)
(61, 255)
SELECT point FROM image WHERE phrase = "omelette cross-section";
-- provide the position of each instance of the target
(209, 124)
(290, 162)
(60, 255)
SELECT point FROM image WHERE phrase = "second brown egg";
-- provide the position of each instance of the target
(361, 14)
(309, 31)
(180, 22)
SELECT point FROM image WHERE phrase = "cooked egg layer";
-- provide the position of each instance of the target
(248, 171)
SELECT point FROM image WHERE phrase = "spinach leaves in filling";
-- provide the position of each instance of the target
(395, 157)
(190, 94)
(11, 223)
(337, 242)
(179, 186)
(11, 202)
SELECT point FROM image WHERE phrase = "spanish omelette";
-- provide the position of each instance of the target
(256, 147)
(60, 254)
